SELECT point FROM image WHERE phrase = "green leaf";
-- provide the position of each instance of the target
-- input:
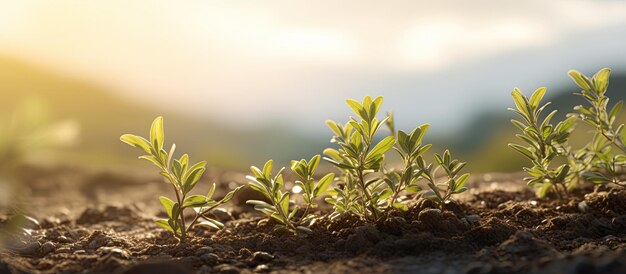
(460, 183)
(313, 163)
(356, 107)
(192, 178)
(195, 201)
(267, 168)
(323, 184)
(535, 99)
(615, 110)
(522, 150)
(210, 223)
(601, 80)
(380, 148)
(543, 189)
(211, 192)
(230, 195)
(518, 98)
(157, 133)
(580, 79)
(164, 224)
(151, 159)
(334, 127)
(136, 141)
(401, 206)
(167, 204)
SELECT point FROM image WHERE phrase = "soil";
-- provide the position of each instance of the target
(90, 221)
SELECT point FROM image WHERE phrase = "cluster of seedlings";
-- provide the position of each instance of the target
(368, 188)
(601, 161)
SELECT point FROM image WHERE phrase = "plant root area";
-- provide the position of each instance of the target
(90, 221)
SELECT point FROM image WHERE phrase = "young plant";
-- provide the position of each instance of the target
(359, 156)
(183, 177)
(454, 183)
(543, 143)
(311, 189)
(607, 149)
(410, 148)
(271, 186)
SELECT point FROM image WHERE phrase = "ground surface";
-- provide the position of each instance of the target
(102, 222)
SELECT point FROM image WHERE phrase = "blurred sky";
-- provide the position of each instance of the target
(296, 61)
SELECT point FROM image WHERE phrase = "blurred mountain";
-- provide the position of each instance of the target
(483, 142)
(103, 118)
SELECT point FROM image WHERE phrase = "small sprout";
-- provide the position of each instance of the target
(183, 177)
(605, 156)
(311, 189)
(271, 186)
(454, 183)
(543, 143)
(369, 189)
(358, 157)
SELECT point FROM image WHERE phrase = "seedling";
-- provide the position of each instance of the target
(369, 188)
(441, 193)
(359, 156)
(271, 186)
(311, 189)
(410, 148)
(183, 177)
(606, 152)
(544, 143)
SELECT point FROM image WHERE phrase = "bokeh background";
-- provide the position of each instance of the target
(240, 82)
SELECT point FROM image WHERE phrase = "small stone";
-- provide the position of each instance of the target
(80, 252)
(116, 252)
(63, 239)
(430, 215)
(262, 268)
(73, 234)
(204, 250)
(210, 258)
(227, 269)
(472, 219)
(30, 248)
(583, 207)
(610, 238)
(260, 257)
(47, 247)
(64, 250)
(245, 253)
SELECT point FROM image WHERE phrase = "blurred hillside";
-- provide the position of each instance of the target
(103, 117)
(483, 142)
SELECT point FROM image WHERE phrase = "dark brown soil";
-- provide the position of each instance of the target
(102, 222)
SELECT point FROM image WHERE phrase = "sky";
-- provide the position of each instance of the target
(252, 63)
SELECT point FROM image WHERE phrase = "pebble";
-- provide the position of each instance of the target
(227, 269)
(63, 239)
(204, 250)
(583, 207)
(245, 253)
(30, 248)
(472, 219)
(430, 215)
(260, 257)
(114, 251)
(47, 247)
(64, 250)
(210, 258)
(262, 268)
(80, 252)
